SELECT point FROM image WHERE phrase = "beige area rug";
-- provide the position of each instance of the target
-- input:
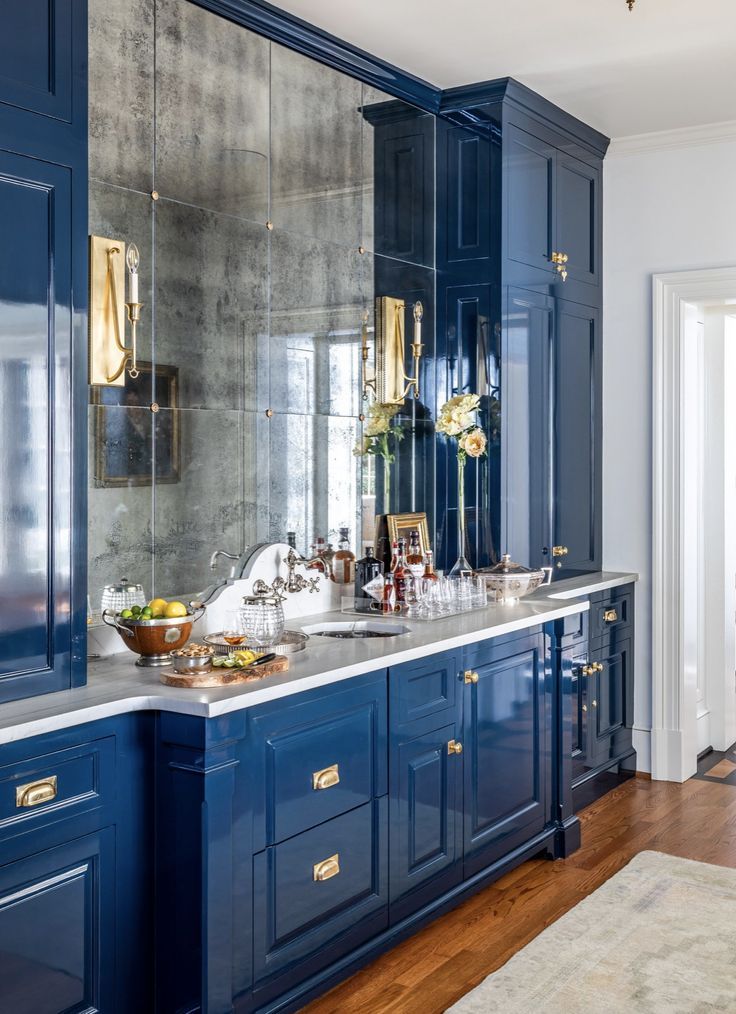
(659, 937)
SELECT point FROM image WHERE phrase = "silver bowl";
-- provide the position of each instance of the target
(508, 582)
(187, 664)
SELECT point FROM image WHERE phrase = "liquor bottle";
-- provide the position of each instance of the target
(429, 574)
(394, 556)
(316, 551)
(401, 572)
(344, 564)
(388, 602)
(414, 558)
(366, 570)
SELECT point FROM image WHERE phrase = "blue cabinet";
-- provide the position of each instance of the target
(57, 929)
(507, 744)
(426, 817)
(43, 206)
(529, 166)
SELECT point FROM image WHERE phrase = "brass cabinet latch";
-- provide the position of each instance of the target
(560, 262)
(469, 676)
(326, 778)
(454, 747)
(35, 793)
(327, 869)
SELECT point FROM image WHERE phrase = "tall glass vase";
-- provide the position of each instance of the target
(386, 486)
(461, 566)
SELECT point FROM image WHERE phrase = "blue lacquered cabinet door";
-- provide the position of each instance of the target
(426, 821)
(578, 222)
(577, 437)
(505, 742)
(57, 917)
(529, 224)
(610, 702)
(35, 408)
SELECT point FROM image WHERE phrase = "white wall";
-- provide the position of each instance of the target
(670, 209)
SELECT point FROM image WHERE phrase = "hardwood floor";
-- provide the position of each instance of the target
(433, 969)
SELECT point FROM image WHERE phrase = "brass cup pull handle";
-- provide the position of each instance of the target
(326, 778)
(454, 747)
(327, 869)
(610, 616)
(35, 793)
(470, 677)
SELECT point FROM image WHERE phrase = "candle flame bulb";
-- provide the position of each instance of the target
(133, 258)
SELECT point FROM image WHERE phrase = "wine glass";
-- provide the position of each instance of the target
(233, 634)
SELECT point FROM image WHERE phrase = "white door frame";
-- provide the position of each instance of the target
(674, 748)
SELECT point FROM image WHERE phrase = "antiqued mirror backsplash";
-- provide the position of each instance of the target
(267, 195)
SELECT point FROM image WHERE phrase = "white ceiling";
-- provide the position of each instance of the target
(667, 64)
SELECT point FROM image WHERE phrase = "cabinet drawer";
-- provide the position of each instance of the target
(38, 791)
(312, 890)
(423, 688)
(610, 611)
(319, 759)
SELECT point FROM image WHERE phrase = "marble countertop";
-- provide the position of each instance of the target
(116, 685)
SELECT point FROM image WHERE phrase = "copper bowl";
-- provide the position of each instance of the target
(154, 640)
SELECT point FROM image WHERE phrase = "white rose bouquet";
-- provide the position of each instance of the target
(380, 437)
(459, 420)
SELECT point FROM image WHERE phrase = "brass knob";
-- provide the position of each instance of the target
(588, 670)
(454, 747)
(326, 778)
(594, 703)
(560, 259)
(327, 869)
(470, 676)
(598, 666)
(610, 616)
(35, 793)
(560, 550)
(585, 707)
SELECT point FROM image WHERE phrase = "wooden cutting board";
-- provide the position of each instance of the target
(222, 677)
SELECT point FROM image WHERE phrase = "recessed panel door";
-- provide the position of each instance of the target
(577, 221)
(530, 168)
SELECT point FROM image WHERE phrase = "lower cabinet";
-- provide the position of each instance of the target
(425, 840)
(57, 929)
(610, 701)
(507, 742)
(318, 895)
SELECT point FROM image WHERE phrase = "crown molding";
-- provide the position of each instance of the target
(667, 140)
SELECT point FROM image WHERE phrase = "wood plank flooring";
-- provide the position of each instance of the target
(433, 969)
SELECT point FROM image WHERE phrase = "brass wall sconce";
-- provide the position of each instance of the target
(108, 354)
(386, 376)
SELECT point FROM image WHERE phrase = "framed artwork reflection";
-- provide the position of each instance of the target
(123, 443)
(400, 526)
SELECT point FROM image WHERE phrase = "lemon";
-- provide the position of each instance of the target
(174, 610)
(158, 608)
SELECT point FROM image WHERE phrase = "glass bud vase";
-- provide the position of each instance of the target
(386, 486)
(461, 567)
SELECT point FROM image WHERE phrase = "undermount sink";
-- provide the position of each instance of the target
(355, 630)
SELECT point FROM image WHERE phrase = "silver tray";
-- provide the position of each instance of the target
(291, 641)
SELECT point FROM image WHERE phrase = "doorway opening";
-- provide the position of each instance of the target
(694, 515)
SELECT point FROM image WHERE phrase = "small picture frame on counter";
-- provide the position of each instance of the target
(400, 526)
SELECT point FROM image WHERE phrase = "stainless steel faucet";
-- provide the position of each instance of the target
(297, 582)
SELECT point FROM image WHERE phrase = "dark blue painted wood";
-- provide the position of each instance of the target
(609, 703)
(298, 920)
(576, 439)
(43, 165)
(423, 688)
(57, 920)
(577, 213)
(507, 725)
(529, 166)
(619, 601)
(426, 816)
(343, 726)
(202, 932)
(468, 170)
(85, 776)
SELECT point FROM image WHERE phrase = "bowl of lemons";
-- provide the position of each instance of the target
(155, 630)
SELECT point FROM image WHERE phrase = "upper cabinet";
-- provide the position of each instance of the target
(43, 186)
(521, 210)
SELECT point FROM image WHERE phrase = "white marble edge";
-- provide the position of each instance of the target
(117, 686)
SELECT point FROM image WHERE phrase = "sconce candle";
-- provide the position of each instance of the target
(133, 258)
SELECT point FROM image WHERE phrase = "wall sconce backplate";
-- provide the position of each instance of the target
(106, 310)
